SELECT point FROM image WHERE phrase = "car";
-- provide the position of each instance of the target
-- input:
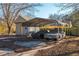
(53, 34)
(39, 34)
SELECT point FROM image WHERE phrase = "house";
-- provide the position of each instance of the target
(36, 24)
(24, 26)
(18, 22)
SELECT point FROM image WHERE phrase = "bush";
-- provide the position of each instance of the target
(72, 31)
(68, 31)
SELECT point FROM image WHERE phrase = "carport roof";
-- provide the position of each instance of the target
(38, 22)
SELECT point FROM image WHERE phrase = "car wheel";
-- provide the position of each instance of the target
(59, 38)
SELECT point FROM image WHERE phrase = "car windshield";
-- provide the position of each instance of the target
(55, 30)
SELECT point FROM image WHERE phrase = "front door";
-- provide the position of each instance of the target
(26, 30)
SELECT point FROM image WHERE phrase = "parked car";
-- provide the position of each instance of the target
(54, 34)
(39, 34)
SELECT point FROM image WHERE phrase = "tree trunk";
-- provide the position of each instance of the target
(9, 30)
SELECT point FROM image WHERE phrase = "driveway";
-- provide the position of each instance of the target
(30, 44)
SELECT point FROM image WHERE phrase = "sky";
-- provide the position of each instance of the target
(48, 8)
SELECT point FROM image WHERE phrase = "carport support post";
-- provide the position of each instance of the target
(58, 30)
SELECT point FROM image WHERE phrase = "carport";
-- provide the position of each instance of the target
(40, 22)
(37, 24)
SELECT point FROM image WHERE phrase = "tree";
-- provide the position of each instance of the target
(66, 6)
(50, 16)
(74, 14)
(54, 16)
(10, 11)
(73, 17)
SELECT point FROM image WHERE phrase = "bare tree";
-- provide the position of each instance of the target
(66, 6)
(11, 11)
(72, 16)
(55, 16)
